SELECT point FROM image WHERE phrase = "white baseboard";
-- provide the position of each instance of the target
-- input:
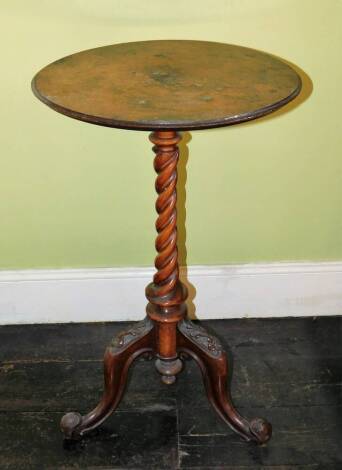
(232, 291)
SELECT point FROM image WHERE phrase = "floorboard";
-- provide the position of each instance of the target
(287, 370)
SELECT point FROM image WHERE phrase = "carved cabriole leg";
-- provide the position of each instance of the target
(166, 294)
(212, 360)
(126, 347)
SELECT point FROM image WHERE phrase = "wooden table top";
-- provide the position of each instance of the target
(167, 84)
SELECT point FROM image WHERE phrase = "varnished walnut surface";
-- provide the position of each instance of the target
(167, 84)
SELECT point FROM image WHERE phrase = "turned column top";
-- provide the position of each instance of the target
(167, 84)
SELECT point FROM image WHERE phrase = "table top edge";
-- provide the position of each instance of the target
(164, 125)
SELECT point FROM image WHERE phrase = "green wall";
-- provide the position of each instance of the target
(75, 195)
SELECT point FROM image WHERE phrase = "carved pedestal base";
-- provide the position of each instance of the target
(166, 334)
(192, 341)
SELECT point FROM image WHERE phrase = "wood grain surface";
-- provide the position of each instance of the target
(167, 84)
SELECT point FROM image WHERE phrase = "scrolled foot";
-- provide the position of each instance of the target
(69, 424)
(261, 430)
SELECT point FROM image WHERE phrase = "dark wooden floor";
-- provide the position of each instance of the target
(288, 370)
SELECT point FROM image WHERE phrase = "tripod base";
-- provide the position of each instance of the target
(192, 341)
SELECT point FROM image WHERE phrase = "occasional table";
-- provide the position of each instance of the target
(167, 86)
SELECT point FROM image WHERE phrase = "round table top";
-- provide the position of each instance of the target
(167, 84)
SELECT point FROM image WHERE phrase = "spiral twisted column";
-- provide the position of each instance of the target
(166, 294)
